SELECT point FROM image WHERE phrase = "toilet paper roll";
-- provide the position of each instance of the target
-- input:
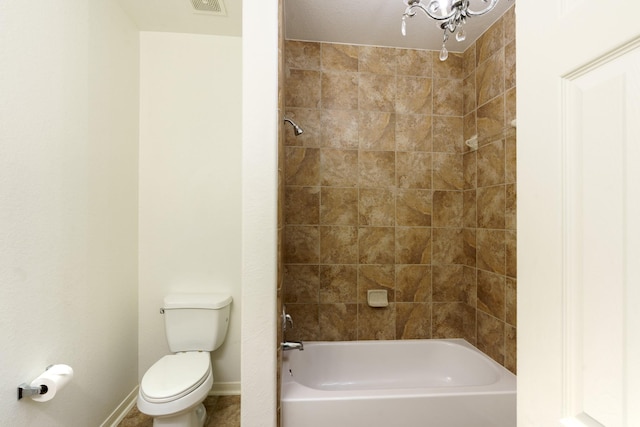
(54, 379)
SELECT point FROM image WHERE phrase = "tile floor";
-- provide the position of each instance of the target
(222, 411)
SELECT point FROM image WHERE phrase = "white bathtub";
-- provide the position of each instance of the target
(409, 383)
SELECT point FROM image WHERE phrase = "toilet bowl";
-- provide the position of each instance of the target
(173, 389)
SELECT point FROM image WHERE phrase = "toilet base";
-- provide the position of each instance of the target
(193, 418)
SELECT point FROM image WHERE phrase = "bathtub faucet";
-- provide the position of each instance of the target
(292, 345)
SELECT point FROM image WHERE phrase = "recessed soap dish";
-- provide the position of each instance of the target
(377, 298)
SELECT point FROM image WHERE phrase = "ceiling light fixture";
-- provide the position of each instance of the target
(452, 13)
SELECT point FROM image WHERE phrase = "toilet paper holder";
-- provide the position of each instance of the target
(25, 390)
(47, 384)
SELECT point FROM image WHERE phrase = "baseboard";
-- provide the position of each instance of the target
(122, 410)
(225, 389)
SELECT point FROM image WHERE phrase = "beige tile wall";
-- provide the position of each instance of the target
(489, 197)
(281, 194)
(380, 193)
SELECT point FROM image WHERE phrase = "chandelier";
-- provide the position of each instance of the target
(452, 13)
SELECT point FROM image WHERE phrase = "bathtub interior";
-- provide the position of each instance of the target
(391, 364)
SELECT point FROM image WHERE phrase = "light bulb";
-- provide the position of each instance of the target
(404, 25)
(444, 53)
(461, 35)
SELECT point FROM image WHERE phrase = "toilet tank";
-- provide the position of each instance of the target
(196, 321)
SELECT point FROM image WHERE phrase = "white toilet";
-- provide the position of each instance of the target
(173, 389)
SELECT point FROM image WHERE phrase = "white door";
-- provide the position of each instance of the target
(578, 71)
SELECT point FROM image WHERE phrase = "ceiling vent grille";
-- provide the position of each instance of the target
(210, 7)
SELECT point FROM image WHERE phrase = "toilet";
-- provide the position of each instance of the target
(173, 389)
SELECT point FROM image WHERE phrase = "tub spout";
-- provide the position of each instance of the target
(292, 345)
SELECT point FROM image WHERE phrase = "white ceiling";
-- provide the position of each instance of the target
(377, 23)
(360, 22)
(178, 16)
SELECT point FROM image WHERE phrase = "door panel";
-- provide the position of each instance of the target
(600, 102)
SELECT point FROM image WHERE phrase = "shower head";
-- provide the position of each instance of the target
(297, 130)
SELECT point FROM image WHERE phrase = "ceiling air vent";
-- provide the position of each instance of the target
(210, 7)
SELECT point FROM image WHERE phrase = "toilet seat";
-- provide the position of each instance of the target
(175, 376)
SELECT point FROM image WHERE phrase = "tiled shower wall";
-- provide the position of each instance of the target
(490, 186)
(280, 207)
(380, 193)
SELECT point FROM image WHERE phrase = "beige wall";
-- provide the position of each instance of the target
(378, 195)
(69, 224)
(190, 184)
(68, 191)
(259, 212)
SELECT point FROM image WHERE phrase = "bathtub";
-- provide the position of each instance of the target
(409, 383)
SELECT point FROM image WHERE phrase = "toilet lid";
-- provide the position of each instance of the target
(175, 375)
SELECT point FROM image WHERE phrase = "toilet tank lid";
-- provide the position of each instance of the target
(210, 301)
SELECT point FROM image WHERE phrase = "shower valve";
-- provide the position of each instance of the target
(286, 320)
